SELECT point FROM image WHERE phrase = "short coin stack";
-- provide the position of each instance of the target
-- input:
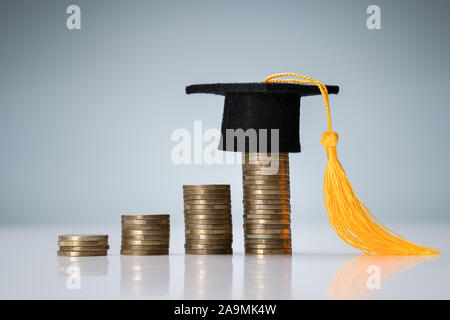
(267, 208)
(144, 235)
(83, 245)
(207, 217)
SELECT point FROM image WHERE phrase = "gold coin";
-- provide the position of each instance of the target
(207, 186)
(206, 192)
(208, 251)
(286, 242)
(267, 206)
(247, 161)
(83, 237)
(253, 197)
(145, 232)
(207, 246)
(264, 171)
(267, 246)
(208, 227)
(83, 243)
(209, 206)
(206, 196)
(199, 231)
(208, 212)
(266, 196)
(280, 212)
(265, 182)
(265, 154)
(207, 202)
(144, 253)
(250, 187)
(269, 251)
(265, 177)
(224, 236)
(260, 192)
(208, 217)
(159, 223)
(267, 231)
(249, 236)
(146, 228)
(258, 226)
(127, 242)
(263, 202)
(81, 253)
(258, 163)
(277, 184)
(155, 224)
(140, 237)
(74, 248)
(214, 225)
(209, 241)
(202, 224)
(145, 248)
(252, 217)
(146, 216)
(266, 221)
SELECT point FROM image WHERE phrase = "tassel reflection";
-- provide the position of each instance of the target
(359, 278)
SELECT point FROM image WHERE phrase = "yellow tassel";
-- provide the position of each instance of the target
(348, 216)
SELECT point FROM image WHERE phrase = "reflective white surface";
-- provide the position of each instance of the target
(322, 267)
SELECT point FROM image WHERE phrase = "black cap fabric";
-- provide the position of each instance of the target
(261, 106)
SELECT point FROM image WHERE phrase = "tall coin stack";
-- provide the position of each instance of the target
(207, 217)
(267, 209)
(144, 235)
(83, 245)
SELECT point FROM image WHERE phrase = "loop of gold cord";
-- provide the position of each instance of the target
(304, 80)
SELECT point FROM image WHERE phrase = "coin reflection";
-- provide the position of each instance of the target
(208, 276)
(267, 277)
(145, 275)
(359, 277)
(86, 266)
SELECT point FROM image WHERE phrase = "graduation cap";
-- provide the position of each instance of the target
(275, 104)
(261, 106)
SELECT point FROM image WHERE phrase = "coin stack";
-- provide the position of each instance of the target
(83, 245)
(267, 208)
(145, 234)
(207, 217)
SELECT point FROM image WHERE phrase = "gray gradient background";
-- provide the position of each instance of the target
(86, 116)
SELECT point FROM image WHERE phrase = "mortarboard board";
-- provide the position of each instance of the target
(261, 106)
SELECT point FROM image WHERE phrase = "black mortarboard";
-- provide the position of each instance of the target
(261, 106)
